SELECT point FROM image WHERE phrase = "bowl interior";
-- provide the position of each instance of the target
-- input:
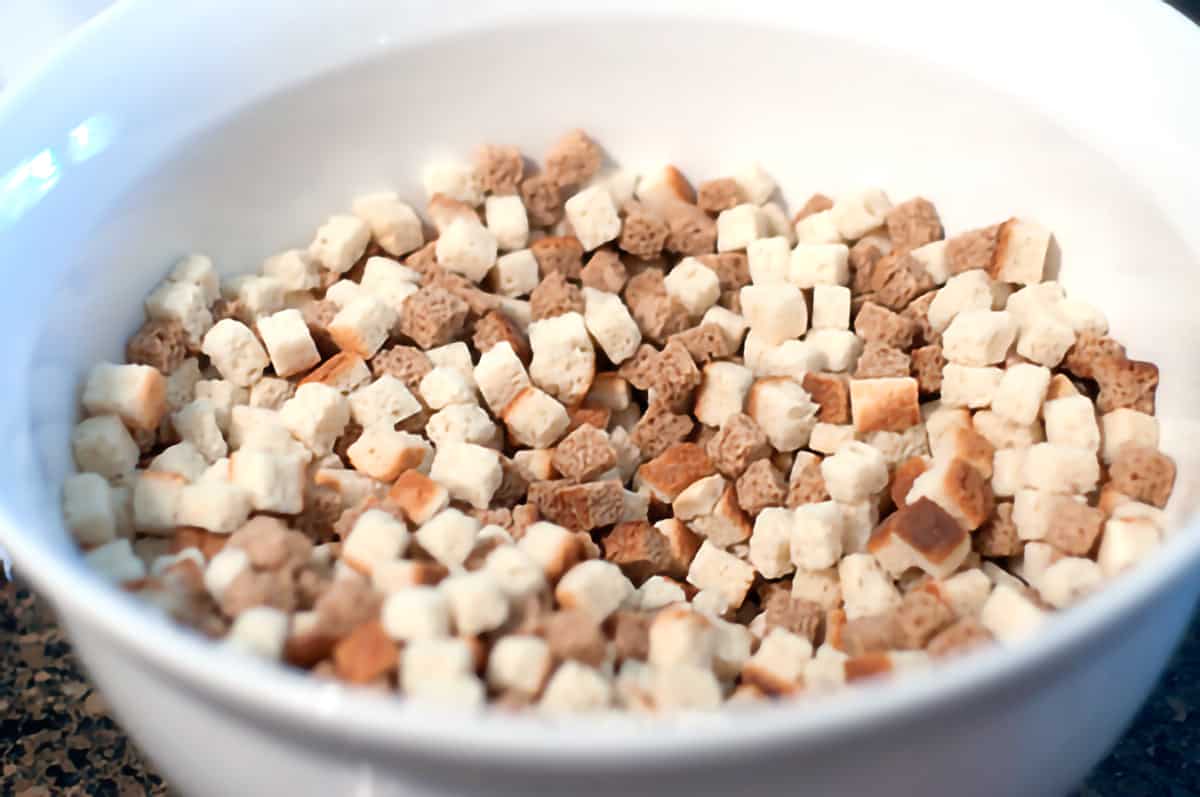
(820, 114)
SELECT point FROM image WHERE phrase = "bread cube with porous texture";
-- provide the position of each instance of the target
(197, 270)
(722, 572)
(770, 544)
(1129, 536)
(477, 604)
(922, 535)
(593, 217)
(376, 537)
(383, 453)
(866, 588)
(553, 548)
(1061, 469)
(508, 222)
(775, 312)
(1045, 340)
(890, 404)
(274, 480)
(316, 416)
(468, 248)
(88, 509)
(818, 228)
(363, 325)
(778, 665)
(1021, 252)
(576, 688)
(979, 337)
(135, 393)
(500, 376)
(768, 259)
(183, 459)
(783, 410)
(1010, 614)
(722, 392)
(819, 264)
(970, 386)
(564, 362)
(183, 302)
(417, 612)
(156, 501)
(340, 242)
(448, 537)
(1123, 427)
(515, 273)
(535, 419)
(386, 400)
(971, 290)
(215, 506)
(471, 473)
(235, 352)
(595, 587)
(816, 539)
(694, 284)
(855, 472)
(859, 213)
(288, 342)
(740, 225)
(393, 224)
(1071, 421)
(1019, 395)
(608, 320)
(519, 663)
(831, 307)
(958, 488)
(442, 387)
(104, 446)
(838, 348)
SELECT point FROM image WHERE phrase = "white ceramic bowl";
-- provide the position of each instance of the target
(234, 128)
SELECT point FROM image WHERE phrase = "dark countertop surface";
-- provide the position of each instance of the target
(56, 737)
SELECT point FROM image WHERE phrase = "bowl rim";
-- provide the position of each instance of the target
(262, 693)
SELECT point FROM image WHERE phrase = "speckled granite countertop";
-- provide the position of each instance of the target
(56, 737)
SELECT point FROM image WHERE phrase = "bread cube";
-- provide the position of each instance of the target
(859, 213)
(769, 260)
(784, 411)
(722, 572)
(316, 416)
(1071, 421)
(831, 307)
(1011, 615)
(275, 481)
(740, 225)
(103, 445)
(471, 473)
(1123, 427)
(866, 588)
(817, 534)
(608, 320)
(88, 510)
(775, 312)
(979, 337)
(1061, 469)
(970, 290)
(722, 392)
(819, 264)
(855, 472)
(970, 386)
(235, 352)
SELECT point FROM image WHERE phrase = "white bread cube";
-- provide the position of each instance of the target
(418, 612)
(516, 572)
(859, 213)
(1022, 258)
(734, 325)
(970, 290)
(260, 631)
(462, 423)
(103, 445)
(685, 688)
(757, 186)
(156, 501)
(576, 688)
(827, 438)
(443, 386)
(609, 391)
(1010, 614)
(899, 446)
(507, 220)
(224, 395)
(434, 671)
(376, 537)
(519, 663)
(965, 592)
(722, 392)
(385, 401)
(535, 419)
(970, 386)
(779, 662)
(1123, 427)
(1045, 340)
(515, 273)
(821, 587)
(1008, 465)
(775, 312)
(1003, 433)
(456, 356)
(182, 459)
(1069, 580)
(219, 507)
(655, 593)
(362, 326)
(699, 498)
(1061, 469)
(551, 546)
(680, 636)
(383, 453)
(274, 480)
(1022, 389)
(1129, 536)
(940, 418)
(88, 509)
(595, 587)
(226, 565)
(593, 217)
(784, 411)
(343, 292)
(1071, 421)
(288, 342)
(866, 588)
(1082, 317)
(449, 537)
(979, 337)
(662, 186)
(477, 604)
(393, 224)
(258, 295)
(620, 184)
(816, 539)
(316, 416)
(263, 430)
(839, 348)
(390, 282)
(135, 393)
(197, 269)
(722, 572)
(826, 671)
(455, 180)
(181, 383)
(235, 352)
(855, 472)
(858, 521)
(769, 259)
(608, 320)
(116, 562)
(340, 242)
(1035, 300)
(933, 257)
(184, 302)
(819, 264)
(468, 248)
(564, 362)
(500, 375)
(471, 473)
(818, 228)
(792, 358)
(831, 307)
(268, 393)
(770, 544)
(740, 225)
(694, 284)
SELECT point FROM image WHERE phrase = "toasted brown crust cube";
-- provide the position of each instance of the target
(879, 360)
(832, 393)
(674, 469)
(500, 168)
(998, 536)
(928, 363)
(496, 327)
(543, 200)
(1074, 528)
(705, 343)
(814, 204)
(913, 223)
(1143, 474)
(579, 507)
(732, 268)
(562, 253)
(867, 666)
(887, 404)
(407, 363)
(918, 313)
(433, 316)
(877, 324)
(643, 231)
(903, 477)
(638, 370)
(584, 454)
(674, 376)
(1126, 383)
(761, 486)
(807, 486)
(737, 444)
(659, 429)
(365, 654)
(864, 256)
(573, 159)
(899, 279)
(554, 296)
(572, 635)
(876, 633)
(919, 618)
(972, 249)
(639, 549)
(800, 617)
(1090, 353)
(921, 534)
(963, 636)
(604, 271)
(160, 344)
(723, 193)
(690, 231)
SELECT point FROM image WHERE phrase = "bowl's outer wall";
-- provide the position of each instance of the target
(229, 151)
